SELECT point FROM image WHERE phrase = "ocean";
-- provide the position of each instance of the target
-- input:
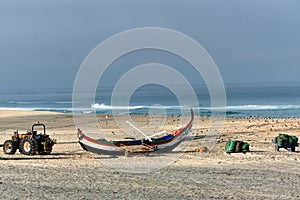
(243, 100)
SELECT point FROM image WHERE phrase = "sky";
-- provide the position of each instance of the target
(44, 42)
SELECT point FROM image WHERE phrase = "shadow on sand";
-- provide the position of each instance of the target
(52, 156)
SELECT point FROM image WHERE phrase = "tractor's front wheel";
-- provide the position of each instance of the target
(28, 146)
(9, 147)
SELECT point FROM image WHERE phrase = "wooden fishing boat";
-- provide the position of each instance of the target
(145, 145)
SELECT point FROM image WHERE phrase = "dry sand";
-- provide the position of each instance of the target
(69, 172)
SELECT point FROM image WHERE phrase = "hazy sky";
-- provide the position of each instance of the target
(43, 42)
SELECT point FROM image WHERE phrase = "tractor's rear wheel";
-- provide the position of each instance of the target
(28, 146)
(9, 147)
(45, 147)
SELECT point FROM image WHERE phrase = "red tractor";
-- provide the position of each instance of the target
(29, 143)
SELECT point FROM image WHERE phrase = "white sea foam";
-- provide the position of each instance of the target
(254, 107)
(102, 106)
(237, 107)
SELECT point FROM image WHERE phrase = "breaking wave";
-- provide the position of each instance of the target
(258, 107)
(228, 108)
(102, 106)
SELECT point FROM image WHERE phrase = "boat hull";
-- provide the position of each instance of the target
(163, 144)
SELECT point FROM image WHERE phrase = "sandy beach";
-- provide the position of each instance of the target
(72, 173)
